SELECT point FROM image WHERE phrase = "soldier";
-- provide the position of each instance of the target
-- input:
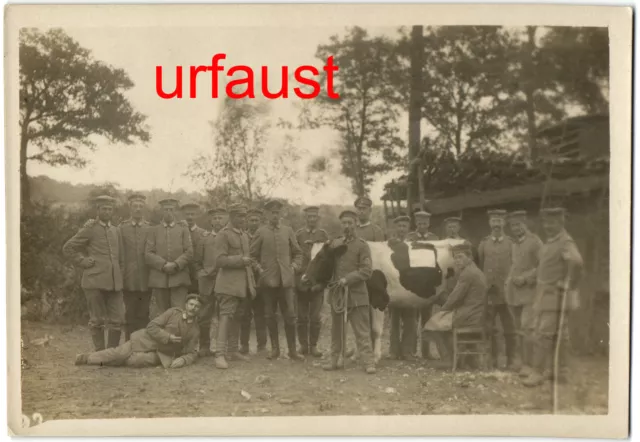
(190, 211)
(97, 249)
(402, 318)
(310, 298)
(276, 249)
(255, 307)
(234, 283)
(464, 306)
(135, 271)
(218, 218)
(494, 254)
(168, 253)
(521, 283)
(206, 271)
(365, 229)
(452, 227)
(169, 340)
(351, 269)
(559, 272)
(422, 233)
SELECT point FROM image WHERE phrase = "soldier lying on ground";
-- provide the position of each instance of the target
(170, 340)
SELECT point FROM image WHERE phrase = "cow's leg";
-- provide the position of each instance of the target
(377, 324)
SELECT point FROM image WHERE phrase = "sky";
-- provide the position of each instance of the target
(180, 128)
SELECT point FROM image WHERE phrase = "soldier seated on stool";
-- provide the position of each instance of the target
(170, 340)
(464, 306)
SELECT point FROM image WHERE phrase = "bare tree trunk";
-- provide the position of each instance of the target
(415, 111)
(25, 190)
(529, 92)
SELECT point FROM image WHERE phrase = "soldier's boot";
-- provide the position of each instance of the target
(314, 335)
(82, 359)
(334, 364)
(221, 342)
(549, 372)
(245, 334)
(511, 350)
(232, 350)
(290, 332)
(113, 338)
(97, 335)
(538, 358)
(303, 338)
(205, 342)
(527, 353)
(214, 325)
(275, 341)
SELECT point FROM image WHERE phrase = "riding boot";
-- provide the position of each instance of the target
(314, 335)
(205, 341)
(97, 335)
(245, 334)
(113, 338)
(275, 340)
(214, 326)
(290, 332)
(303, 337)
(510, 350)
(538, 359)
(232, 344)
(221, 342)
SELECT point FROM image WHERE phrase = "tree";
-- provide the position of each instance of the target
(66, 98)
(462, 103)
(364, 115)
(249, 159)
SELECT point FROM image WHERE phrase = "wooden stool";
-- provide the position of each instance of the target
(472, 341)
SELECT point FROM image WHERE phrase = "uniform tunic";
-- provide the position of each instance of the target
(276, 248)
(169, 243)
(554, 257)
(417, 236)
(102, 242)
(468, 298)
(525, 265)
(355, 266)
(196, 233)
(205, 263)
(135, 270)
(495, 261)
(370, 232)
(233, 278)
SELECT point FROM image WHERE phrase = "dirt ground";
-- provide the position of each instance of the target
(57, 389)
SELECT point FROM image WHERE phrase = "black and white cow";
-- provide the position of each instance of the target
(405, 274)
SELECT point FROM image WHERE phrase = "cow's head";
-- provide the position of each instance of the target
(323, 256)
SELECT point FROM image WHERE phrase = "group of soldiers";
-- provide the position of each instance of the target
(203, 288)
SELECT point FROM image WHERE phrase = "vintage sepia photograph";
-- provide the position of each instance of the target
(369, 218)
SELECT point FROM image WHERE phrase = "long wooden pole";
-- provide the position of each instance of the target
(415, 109)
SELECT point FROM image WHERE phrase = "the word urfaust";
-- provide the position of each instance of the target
(234, 88)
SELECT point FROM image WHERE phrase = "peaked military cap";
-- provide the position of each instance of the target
(193, 296)
(169, 202)
(348, 213)
(254, 211)
(464, 247)
(104, 200)
(402, 218)
(497, 213)
(312, 209)
(517, 214)
(190, 205)
(238, 209)
(216, 210)
(273, 204)
(363, 201)
(553, 212)
(453, 219)
(137, 197)
(422, 214)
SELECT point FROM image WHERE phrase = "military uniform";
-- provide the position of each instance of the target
(520, 289)
(557, 256)
(100, 243)
(205, 266)
(135, 274)
(254, 310)
(166, 243)
(370, 232)
(234, 283)
(494, 254)
(276, 249)
(196, 233)
(355, 267)
(310, 299)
